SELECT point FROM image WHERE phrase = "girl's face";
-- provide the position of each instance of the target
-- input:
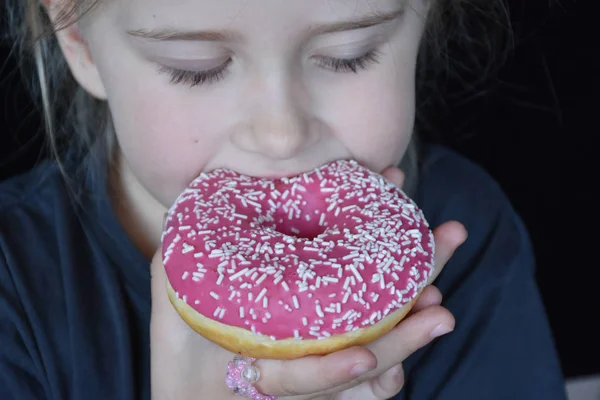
(264, 87)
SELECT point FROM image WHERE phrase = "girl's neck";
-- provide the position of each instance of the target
(140, 214)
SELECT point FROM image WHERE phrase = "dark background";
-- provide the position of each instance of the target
(535, 131)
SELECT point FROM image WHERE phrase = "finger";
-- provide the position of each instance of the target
(158, 281)
(314, 374)
(409, 336)
(164, 320)
(431, 296)
(413, 333)
(448, 237)
(382, 387)
(394, 175)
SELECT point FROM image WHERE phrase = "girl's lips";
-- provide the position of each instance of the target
(290, 174)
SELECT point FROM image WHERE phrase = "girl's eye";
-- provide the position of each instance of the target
(196, 78)
(349, 64)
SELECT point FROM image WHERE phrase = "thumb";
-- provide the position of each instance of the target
(158, 281)
(394, 175)
(412, 333)
(448, 237)
(165, 322)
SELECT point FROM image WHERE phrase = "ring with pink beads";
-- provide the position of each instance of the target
(242, 374)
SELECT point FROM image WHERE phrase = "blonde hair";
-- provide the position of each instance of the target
(476, 30)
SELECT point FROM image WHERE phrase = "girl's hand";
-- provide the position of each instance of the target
(184, 365)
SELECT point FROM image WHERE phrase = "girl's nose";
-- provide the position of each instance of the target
(278, 123)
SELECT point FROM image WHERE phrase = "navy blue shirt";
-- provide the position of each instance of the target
(75, 293)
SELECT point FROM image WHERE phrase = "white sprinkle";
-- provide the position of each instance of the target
(319, 311)
(220, 279)
(285, 286)
(242, 312)
(296, 303)
(331, 206)
(217, 311)
(304, 321)
(214, 295)
(197, 277)
(265, 302)
(222, 313)
(238, 274)
(260, 295)
(345, 299)
(355, 272)
(185, 275)
(262, 278)
(347, 283)
(187, 248)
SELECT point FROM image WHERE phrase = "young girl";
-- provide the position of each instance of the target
(156, 92)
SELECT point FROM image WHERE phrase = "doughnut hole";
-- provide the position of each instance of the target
(299, 225)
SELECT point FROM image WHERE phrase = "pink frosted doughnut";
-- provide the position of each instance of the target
(282, 268)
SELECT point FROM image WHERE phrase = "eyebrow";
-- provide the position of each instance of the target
(166, 34)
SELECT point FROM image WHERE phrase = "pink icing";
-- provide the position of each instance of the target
(323, 253)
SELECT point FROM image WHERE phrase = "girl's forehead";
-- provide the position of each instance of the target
(232, 13)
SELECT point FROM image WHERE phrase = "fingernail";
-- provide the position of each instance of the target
(359, 369)
(440, 330)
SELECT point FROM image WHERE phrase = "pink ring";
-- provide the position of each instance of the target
(241, 377)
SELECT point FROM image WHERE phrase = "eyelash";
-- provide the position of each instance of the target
(350, 64)
(340, 65)
(196, 78)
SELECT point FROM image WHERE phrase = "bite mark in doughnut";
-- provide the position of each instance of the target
(319, 255)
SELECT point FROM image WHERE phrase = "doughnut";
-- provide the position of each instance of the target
(286, 267)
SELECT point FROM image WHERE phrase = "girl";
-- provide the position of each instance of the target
(158, 91)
